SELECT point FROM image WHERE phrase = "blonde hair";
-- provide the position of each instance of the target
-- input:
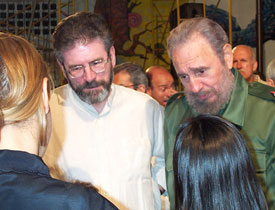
(22, 70)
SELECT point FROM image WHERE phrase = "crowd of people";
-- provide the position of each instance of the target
(118, 136)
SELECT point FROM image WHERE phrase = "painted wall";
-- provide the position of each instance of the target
(245, 11)
(148, 29)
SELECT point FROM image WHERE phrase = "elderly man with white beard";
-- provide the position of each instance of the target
(203, 60)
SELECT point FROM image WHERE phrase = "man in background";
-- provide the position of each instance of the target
(270, 73)
(161, 84)
(131, 75)
(244, 60)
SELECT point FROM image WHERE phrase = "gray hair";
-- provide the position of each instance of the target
(207, 28)
(270, 70)
(136, 72)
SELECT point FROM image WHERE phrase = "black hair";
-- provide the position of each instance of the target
(213, 168)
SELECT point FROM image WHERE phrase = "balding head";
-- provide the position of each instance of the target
(244, 60)
(161, 84)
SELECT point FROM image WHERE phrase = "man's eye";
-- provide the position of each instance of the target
(183, 77)
(76, 68)
(97, 62)
(200, 72)
(163, 89)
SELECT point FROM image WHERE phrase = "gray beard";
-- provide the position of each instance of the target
(96, 96)
(223, 96)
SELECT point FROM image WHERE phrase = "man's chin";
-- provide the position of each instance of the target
(211, 100)
(206, 108)
(94, 97)
(203, 105)
(243, 74)
(90, 91)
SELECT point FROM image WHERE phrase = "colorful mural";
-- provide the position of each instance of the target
(132, 27)
(247, 35)
(140, 28)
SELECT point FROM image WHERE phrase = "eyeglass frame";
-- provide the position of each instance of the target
(83, 67)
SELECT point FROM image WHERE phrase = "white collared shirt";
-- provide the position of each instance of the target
(113, 149)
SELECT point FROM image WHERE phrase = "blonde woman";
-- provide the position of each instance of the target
(25, 127)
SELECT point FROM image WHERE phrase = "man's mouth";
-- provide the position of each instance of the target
(206, 96)
(203, 97)
(88, 89)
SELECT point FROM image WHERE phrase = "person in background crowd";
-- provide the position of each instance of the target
(244, 60)
(270, 73)
(25, 128)
(131, 75)
(103, 133)
(161, 84)
(203, 60)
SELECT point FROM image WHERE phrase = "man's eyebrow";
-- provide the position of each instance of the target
(74, 65)
(197, 69)
(71, 66)
(244, 59)
(97, 59)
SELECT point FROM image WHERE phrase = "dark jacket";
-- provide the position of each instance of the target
(252, 109)
(25, 184)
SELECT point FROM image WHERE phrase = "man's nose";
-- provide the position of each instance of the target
(238, 65)
(89, 75)
(195, 85)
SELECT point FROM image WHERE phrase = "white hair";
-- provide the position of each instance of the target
(270, 70)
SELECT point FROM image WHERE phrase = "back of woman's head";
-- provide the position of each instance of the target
(22, 71)
(213, 169)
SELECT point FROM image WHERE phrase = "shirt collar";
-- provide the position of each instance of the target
(19, 161)
(89, 108)
(234, 111)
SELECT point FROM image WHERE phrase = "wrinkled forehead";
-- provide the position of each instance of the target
(194, 49)
(243, 52)
(83, 41)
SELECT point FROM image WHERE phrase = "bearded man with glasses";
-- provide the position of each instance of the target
(103, 133)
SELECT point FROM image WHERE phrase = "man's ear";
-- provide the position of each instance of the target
(45, 95)
(228, 55)
(62, 68)
(270, 82)
(113, 56)
(255, 66)
(149, 91)
(141, 88)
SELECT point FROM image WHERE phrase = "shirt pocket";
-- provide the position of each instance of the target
(259, 163)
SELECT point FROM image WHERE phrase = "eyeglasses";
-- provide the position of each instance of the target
(97, 66)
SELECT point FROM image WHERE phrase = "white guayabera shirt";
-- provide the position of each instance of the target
(113, 149)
